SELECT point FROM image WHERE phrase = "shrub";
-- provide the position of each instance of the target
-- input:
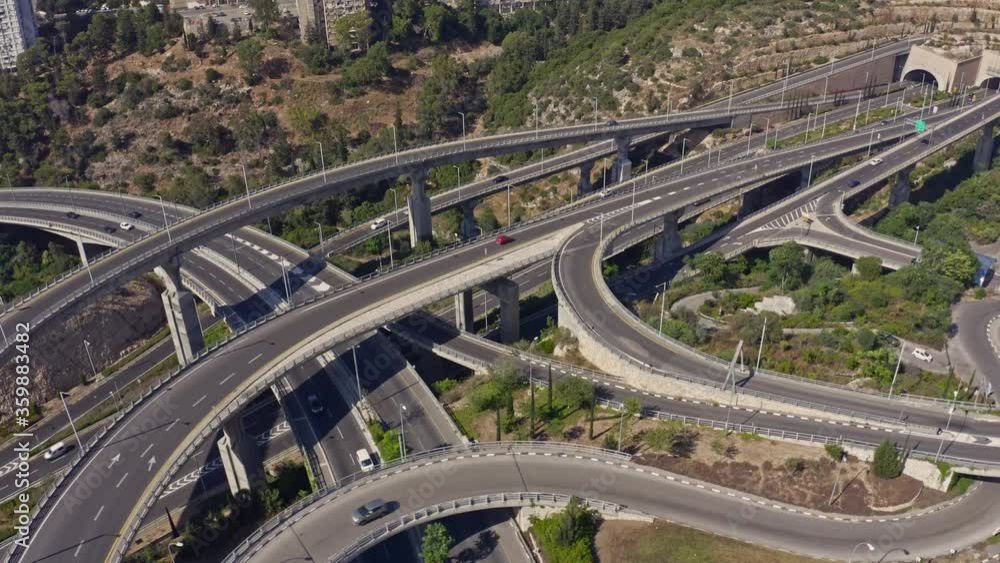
(887, 463)
(442, 386)
(835, 451)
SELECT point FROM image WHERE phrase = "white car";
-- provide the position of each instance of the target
(921, 354)
(875, 161)
(126, 226)
(365, 460)
(378, 223)
(57, 450)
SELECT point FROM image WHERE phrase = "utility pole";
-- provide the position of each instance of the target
(760, 349)
(895, 373)
(732, 374)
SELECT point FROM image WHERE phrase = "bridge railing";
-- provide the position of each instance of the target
(291, 514)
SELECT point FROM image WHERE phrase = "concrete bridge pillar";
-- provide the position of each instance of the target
(465, 318)
(669, 243)
(240, 457)
(983, 158)
(83, 251)
(584, 186)
(900, 192)
(182, 313)
(508, 293)
(622, 169)
(468, 227)
(419, 206)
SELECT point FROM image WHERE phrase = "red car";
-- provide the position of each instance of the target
(504, 239)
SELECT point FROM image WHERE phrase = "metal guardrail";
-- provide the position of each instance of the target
(613, 301)
(63, 228)
(291, 514)
(116, 218)
(458, 506)
(843, 219)
(209, 427)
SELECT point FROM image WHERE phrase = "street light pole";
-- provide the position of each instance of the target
(683, 151)
(462, 113)
(951, 411)
(388, 234)
(864, 543)
(663, 303)
(395, 145)
(899, 361)
(176, 544)
(86, 346)
(917, 234)
(62, 397)
(395, 203)
(760, 349)
(320, 226)
(402, 432)
(163, 210)
(357, 376)
(246, 184)
(322, 161)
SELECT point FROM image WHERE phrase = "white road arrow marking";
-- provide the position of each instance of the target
(115, 460)
(151, 463)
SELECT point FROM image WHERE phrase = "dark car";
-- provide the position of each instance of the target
(611, 123)
(72, 215)
(854, 183)
(314, 405)
(109, 229)
(504, 239)
(370, 511)
(134, 214)
(500, 179)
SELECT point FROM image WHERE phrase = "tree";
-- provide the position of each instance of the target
(265, 12)
(440, 96)
(250, 54)
(671, 437)
(436, 20)
(575, 392)
(887, 463)
(354, 31)
(869, 268)
(436, 543)
(787, 265)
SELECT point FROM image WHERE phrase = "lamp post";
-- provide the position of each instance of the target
(864, 543)
(163, 210)
(458, 184)
(357, 374)
(462, 113)
(322, 161)
(62, 397)
(388, 235)
(246, 184)
(915, 235)
(899, 361)
(663, 303)
(951, 411)
(320, 227)
(395, 203)
(395, 145)
(683, 151)
(170, 550)
(594, 100)
(86, 346)
(402, 432)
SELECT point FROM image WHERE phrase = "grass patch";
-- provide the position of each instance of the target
(835, 128)
(149, 343)
(662, 542)
(7, 508)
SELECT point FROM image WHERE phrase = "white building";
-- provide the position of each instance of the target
(17, 30)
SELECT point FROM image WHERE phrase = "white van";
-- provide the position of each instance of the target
(365, 460)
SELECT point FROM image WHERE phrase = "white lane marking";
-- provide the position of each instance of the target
(146, 451)
(176, 420)
(122, 480)
(203, 397)
(99, 511)
(78, 548)
(228, 377)
(255, 358)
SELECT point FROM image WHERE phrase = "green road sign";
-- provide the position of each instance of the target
(921, 126)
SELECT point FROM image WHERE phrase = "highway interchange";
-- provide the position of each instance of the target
(278, 335)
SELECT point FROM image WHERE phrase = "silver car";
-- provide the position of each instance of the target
(370, 511)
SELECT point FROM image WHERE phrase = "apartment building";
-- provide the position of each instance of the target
(17, 30)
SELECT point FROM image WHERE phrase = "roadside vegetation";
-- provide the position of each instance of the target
(26, 263)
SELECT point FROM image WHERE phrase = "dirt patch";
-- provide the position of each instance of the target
(797, 475)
